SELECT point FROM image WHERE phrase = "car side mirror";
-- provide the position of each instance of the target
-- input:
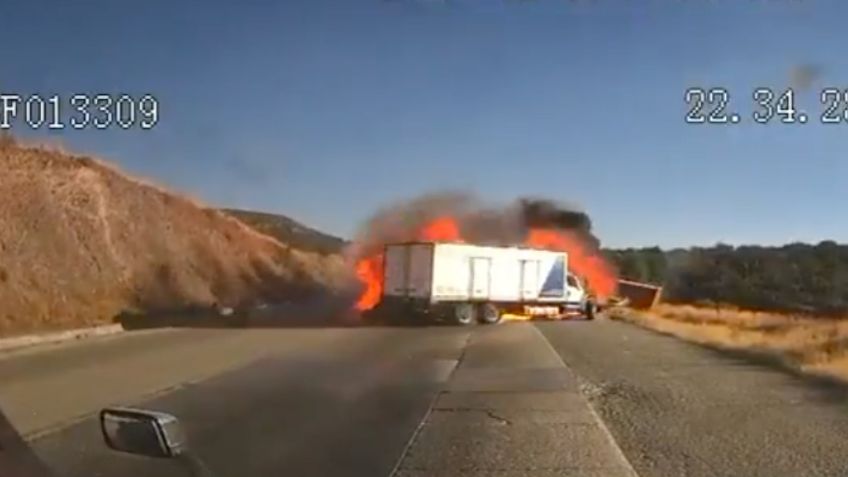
(142, 432)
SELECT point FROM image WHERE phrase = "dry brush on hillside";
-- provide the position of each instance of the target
(81, 242)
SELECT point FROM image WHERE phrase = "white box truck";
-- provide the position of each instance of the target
(464, 283)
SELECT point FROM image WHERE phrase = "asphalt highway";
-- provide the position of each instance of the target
(568, 398)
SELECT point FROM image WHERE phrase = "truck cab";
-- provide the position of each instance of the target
(578, 299)
(575, 293)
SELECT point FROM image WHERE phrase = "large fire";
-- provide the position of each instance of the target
(369, 270)
(590, 267)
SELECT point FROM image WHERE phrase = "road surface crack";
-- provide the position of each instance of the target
(500, 420)
(490, 413)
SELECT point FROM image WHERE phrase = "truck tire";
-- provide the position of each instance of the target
(463, 314)
(488, 314)
(591, 310)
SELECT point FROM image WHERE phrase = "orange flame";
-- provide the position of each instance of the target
(443, 229)
(369, 270)
(590, 267)
(515, 317)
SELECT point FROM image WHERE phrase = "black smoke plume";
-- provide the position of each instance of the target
(478, 222)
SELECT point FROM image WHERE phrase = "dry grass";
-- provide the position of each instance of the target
(81, 242)
(817, 345)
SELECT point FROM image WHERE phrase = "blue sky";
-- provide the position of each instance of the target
(326, 110)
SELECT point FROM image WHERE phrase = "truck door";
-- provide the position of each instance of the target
(574, 290)
(529, 279)
(396, 270)
(480, 278)
(419, 271)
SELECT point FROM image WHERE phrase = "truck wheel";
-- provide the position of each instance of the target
(463, 314)
(591, 310)
(489, 314)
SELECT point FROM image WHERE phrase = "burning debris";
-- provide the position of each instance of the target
(456, 217)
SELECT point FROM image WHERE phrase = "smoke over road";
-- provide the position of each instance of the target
(453, 216)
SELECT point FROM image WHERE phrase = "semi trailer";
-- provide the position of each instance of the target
(464, 283)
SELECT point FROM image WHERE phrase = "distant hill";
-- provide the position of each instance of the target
(290, 231)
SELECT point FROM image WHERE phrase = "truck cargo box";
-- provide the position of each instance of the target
(454, 272)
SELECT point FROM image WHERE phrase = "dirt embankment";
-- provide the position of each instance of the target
(805, 343)
(81, 242)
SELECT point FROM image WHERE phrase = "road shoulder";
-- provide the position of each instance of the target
(677, 408)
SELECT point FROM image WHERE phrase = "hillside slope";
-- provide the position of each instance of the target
(290, 231)
(81, 242)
